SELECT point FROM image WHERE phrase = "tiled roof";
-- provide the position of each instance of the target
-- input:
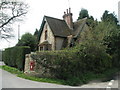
(61, 29)
(78, 26)
(58, 26)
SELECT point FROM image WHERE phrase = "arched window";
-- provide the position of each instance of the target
(46, 35)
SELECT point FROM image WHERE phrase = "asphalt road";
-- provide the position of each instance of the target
(1, 63)
(11, 81)
(0, 79)
(8, 80)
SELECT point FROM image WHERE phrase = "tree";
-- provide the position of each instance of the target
(10, 11)
(28, 40)
(91, 22)
(113, 46)
(36, 34)
(93, 50)
(83, 14)
(109, 17)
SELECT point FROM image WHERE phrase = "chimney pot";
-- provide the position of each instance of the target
(68, 18)
(64, 13)
(67, 11)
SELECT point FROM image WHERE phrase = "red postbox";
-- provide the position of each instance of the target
(32, 65)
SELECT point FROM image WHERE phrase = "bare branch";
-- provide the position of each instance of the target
(12, 19)
(9, 12)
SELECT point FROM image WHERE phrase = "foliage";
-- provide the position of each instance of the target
(83, 14)
(113, 46)
(28, 40)
(109, 17)
(10, 11)
(36, 34)
(106, 33)
(94, 53)
(70, 65)
(15, 56)
(110, 36)
(91, 22)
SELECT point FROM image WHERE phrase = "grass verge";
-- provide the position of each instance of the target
(22, 75)
(0, 67)
(74, 81)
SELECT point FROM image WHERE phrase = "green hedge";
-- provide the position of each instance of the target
(72, 65)
(15, 56)
(0, 55)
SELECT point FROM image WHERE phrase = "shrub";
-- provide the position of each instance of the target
(94, 57)
(66, 64)
(15, 56)
(113, 46)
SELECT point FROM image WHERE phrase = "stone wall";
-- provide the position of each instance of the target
(38, 70)
(27, 70)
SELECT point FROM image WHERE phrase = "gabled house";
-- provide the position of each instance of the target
(56, 34)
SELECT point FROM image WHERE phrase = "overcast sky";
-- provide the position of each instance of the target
(56, 8)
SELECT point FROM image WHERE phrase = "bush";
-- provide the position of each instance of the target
(74, 81)
(67, 64)
(113, 46)
(95, 57)
(15, 56)
(0, 55)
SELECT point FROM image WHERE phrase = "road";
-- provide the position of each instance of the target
(8, 80)
(12, 81)
(1, 63)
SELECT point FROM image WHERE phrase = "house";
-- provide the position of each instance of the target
(56, 34)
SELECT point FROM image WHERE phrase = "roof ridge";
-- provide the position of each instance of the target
(81, 20)
(58, 26)
(53, 18)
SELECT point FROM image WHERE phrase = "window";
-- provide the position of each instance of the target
(46, 35)
(41, 48)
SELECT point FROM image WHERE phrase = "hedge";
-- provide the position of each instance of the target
(15, 56)
(0, 55)
(73, 64)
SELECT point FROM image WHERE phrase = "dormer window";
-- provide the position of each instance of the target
(45, 34)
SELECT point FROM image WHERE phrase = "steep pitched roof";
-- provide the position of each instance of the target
(78, 26)
(61, 29)
(58, 27)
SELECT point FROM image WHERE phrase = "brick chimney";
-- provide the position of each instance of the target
(68, 18)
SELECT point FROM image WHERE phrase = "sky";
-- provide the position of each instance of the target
(56, 8)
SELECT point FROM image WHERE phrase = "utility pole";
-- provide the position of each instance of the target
(119, 12)
(18, 32)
